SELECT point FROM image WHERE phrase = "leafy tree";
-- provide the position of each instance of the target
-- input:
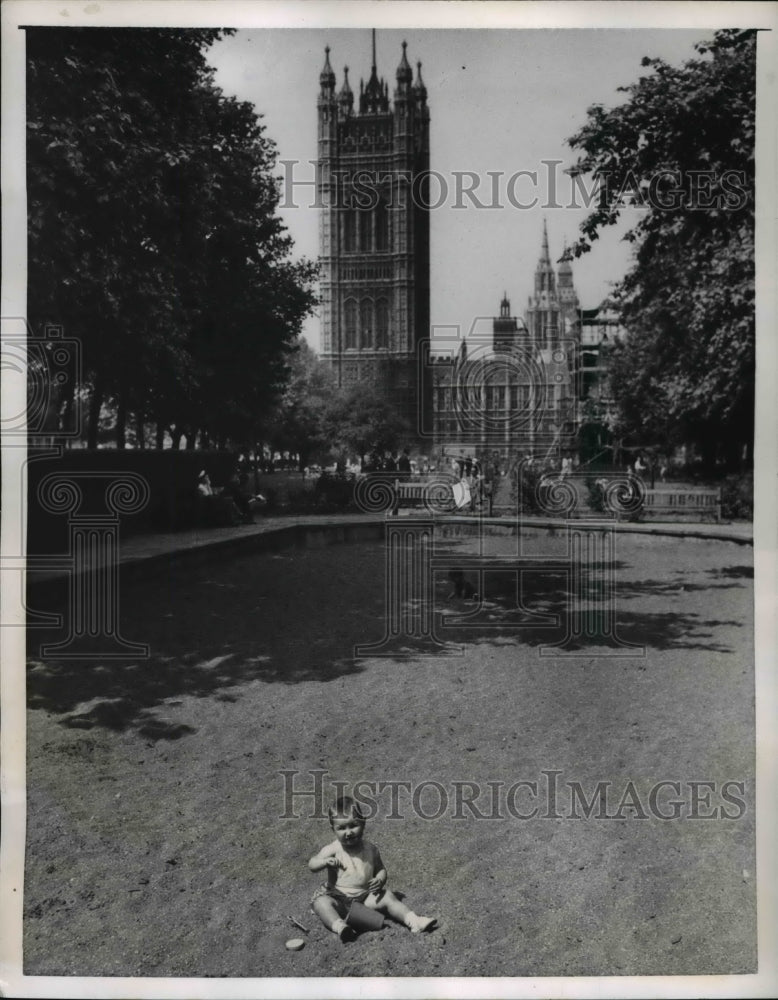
(303, 423)
(362, 421)
(681, 150)
(153, 232)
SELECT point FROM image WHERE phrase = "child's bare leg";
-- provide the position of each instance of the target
(397, 910)
(325, 909)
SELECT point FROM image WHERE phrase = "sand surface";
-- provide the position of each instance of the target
(157, 838)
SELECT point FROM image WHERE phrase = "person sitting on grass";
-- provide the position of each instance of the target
(213, 509)
(234, 492)
(355, 871)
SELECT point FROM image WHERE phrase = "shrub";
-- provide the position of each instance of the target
(524, 490)
(737, 497)
(334, 491)
(170, 476)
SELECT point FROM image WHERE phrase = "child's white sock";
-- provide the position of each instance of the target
(417, 924)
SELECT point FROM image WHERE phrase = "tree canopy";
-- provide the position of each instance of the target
(680, 150)
(363, 421)
(320, 421)
(153, 231)
(303, 420)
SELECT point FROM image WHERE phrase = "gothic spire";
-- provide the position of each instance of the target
(327, 76)
(544, 272)
(544, 254)
(418, 88)
(346, 96)
(373, 99)
(404, 71)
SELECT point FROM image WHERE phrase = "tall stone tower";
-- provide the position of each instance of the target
(543, 308)
(553, 322)
(374, 231)
(569, 306)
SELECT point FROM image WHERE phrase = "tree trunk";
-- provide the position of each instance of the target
(160, 437)
(121, 421)
(140, 431)
(95, 405)
(66, 416)
(176, 436)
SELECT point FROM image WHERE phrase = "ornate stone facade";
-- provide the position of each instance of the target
(374, 231)
(518, 395)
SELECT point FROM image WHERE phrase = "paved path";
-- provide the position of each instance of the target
(139, 551)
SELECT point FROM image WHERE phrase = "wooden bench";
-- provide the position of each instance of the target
(696, 503)
(409, 494)
(445, 498)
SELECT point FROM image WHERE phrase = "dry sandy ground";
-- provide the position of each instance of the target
(156, 839)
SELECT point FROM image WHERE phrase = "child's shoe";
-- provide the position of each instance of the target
(417, 924)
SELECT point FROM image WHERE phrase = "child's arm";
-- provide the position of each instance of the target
(378, 881)
(324, 859)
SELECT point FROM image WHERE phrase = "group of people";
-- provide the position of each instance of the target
(475, 482)
(390, 462)
(642, 469)
(234, 503)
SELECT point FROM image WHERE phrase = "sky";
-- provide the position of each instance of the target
(500, 100)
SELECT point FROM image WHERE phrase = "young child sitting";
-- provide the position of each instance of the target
(355, 871)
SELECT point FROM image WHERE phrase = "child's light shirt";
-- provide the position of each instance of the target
(359, 867)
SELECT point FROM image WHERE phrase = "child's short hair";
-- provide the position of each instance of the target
(345, 806)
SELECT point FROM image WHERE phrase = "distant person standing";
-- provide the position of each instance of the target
(489, 484)
(475, 483)
(390, 462)
(404, 465)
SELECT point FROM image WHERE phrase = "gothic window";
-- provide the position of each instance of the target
(381, 226)
(364, 231)
(351, 324)
(349, 235)
(366, 324)
(382, 323)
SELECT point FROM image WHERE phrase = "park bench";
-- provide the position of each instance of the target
(696, 503)
(447, 498)
(410, 494)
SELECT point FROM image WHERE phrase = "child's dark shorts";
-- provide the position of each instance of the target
(342, 901)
